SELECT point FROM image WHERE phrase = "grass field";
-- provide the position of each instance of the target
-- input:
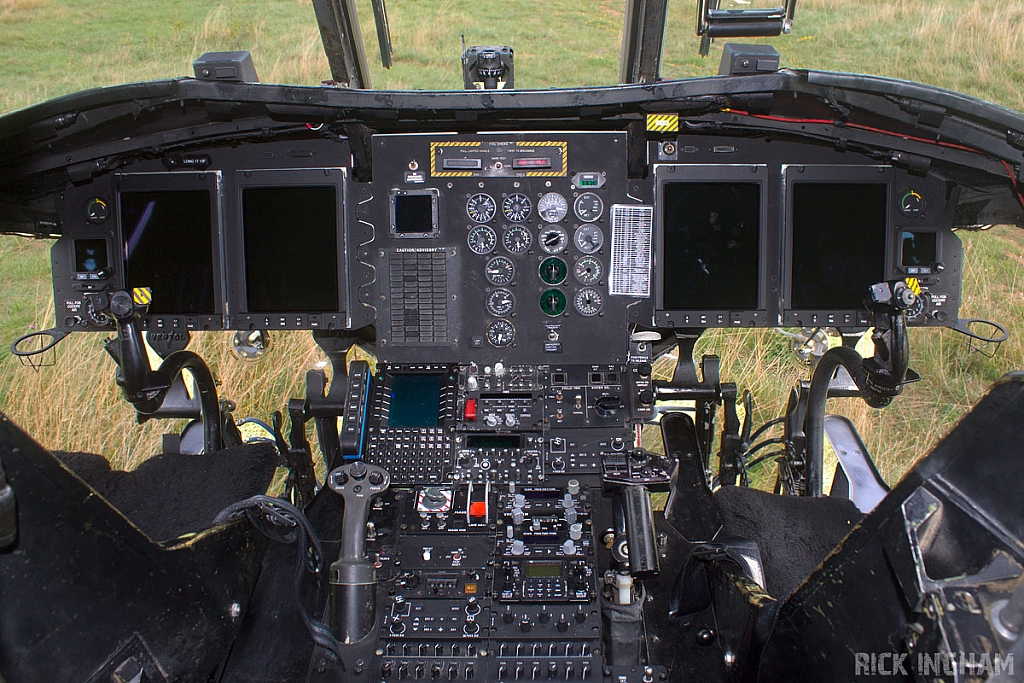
(49, 48)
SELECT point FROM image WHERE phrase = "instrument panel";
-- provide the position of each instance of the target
(518, 247)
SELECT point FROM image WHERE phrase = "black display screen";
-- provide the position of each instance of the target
(920, 248)
(168, 246)
(488, 440)
(291, 249)
(711, 234)
(543, 570)
(415, 401)
(91, 255)
(838, 235)
(414, 214)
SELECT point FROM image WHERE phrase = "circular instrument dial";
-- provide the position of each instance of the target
(481, 207)
(500, 271)
(552, 302)
(587, 270)
(500, 302)
(482, 239)
(553, 239)
(553, 270)
(552, 207)
(516, 207)
(588, 206)
(912, 203)
(96, 211)
(517, 239)
(500, 333)
(588, 301)
(588, 238)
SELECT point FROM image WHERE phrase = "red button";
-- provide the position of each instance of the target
(478, 509)
(470, 410)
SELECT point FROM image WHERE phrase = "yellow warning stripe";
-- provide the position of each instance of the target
(142, 296)
(915, 285)
(663, 123)
(563, 148)
(438, 173)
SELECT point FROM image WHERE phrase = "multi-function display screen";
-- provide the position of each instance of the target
(838, 238)
(919, 248)
(291, 249)
(91, 256)
(414, 213)
(415, 401)
(168, 246)
(712, 234)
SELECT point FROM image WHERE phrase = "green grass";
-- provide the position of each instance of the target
(49, 48)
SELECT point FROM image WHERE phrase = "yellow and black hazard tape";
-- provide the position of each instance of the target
(663, 123)
(142, 296)
(563, 148)
(915, 285)
(437, 172)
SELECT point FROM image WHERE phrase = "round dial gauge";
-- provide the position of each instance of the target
(552, 207)
(481, 207)
(588, 207)
(552, 302)
(553, 270)
(587, 270)
(912, 203)
(516, 207)
(482, 239)
(588, 301)
(96, 211)
(588, 238)
(517, 239)
(500, 271)
(500, 302)
(500, 333)
(553, 239)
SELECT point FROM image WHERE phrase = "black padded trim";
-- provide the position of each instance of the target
(794, 534)
(174, 494)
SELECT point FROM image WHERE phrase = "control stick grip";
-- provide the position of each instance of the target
(353, 606)
(641, 544)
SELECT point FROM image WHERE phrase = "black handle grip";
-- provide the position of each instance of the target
(641, 543)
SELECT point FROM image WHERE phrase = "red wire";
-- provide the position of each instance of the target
(882, 131)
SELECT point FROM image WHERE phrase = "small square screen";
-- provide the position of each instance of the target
(920, 248)
(91, 256)
(711, 234)
(291, 249)
(168, 246)
(414, 214)
(838, 235)
(415, 401)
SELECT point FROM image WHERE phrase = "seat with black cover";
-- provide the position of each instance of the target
(87, 589)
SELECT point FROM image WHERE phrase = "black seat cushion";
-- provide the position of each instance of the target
(794, 534)
(173, 494)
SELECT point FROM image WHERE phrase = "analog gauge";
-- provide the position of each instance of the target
(912, 203)
(500, 271)
(517, 239)
(482, 239)
(500, 333)
(500, 302)
(588, 238)
(516, 207)
(96, 211)
(588, 207)
(553, 271)
(587, 270)
(552, 207)
(588, 301)
(552, 302)
(481, 207)
(553, 239)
